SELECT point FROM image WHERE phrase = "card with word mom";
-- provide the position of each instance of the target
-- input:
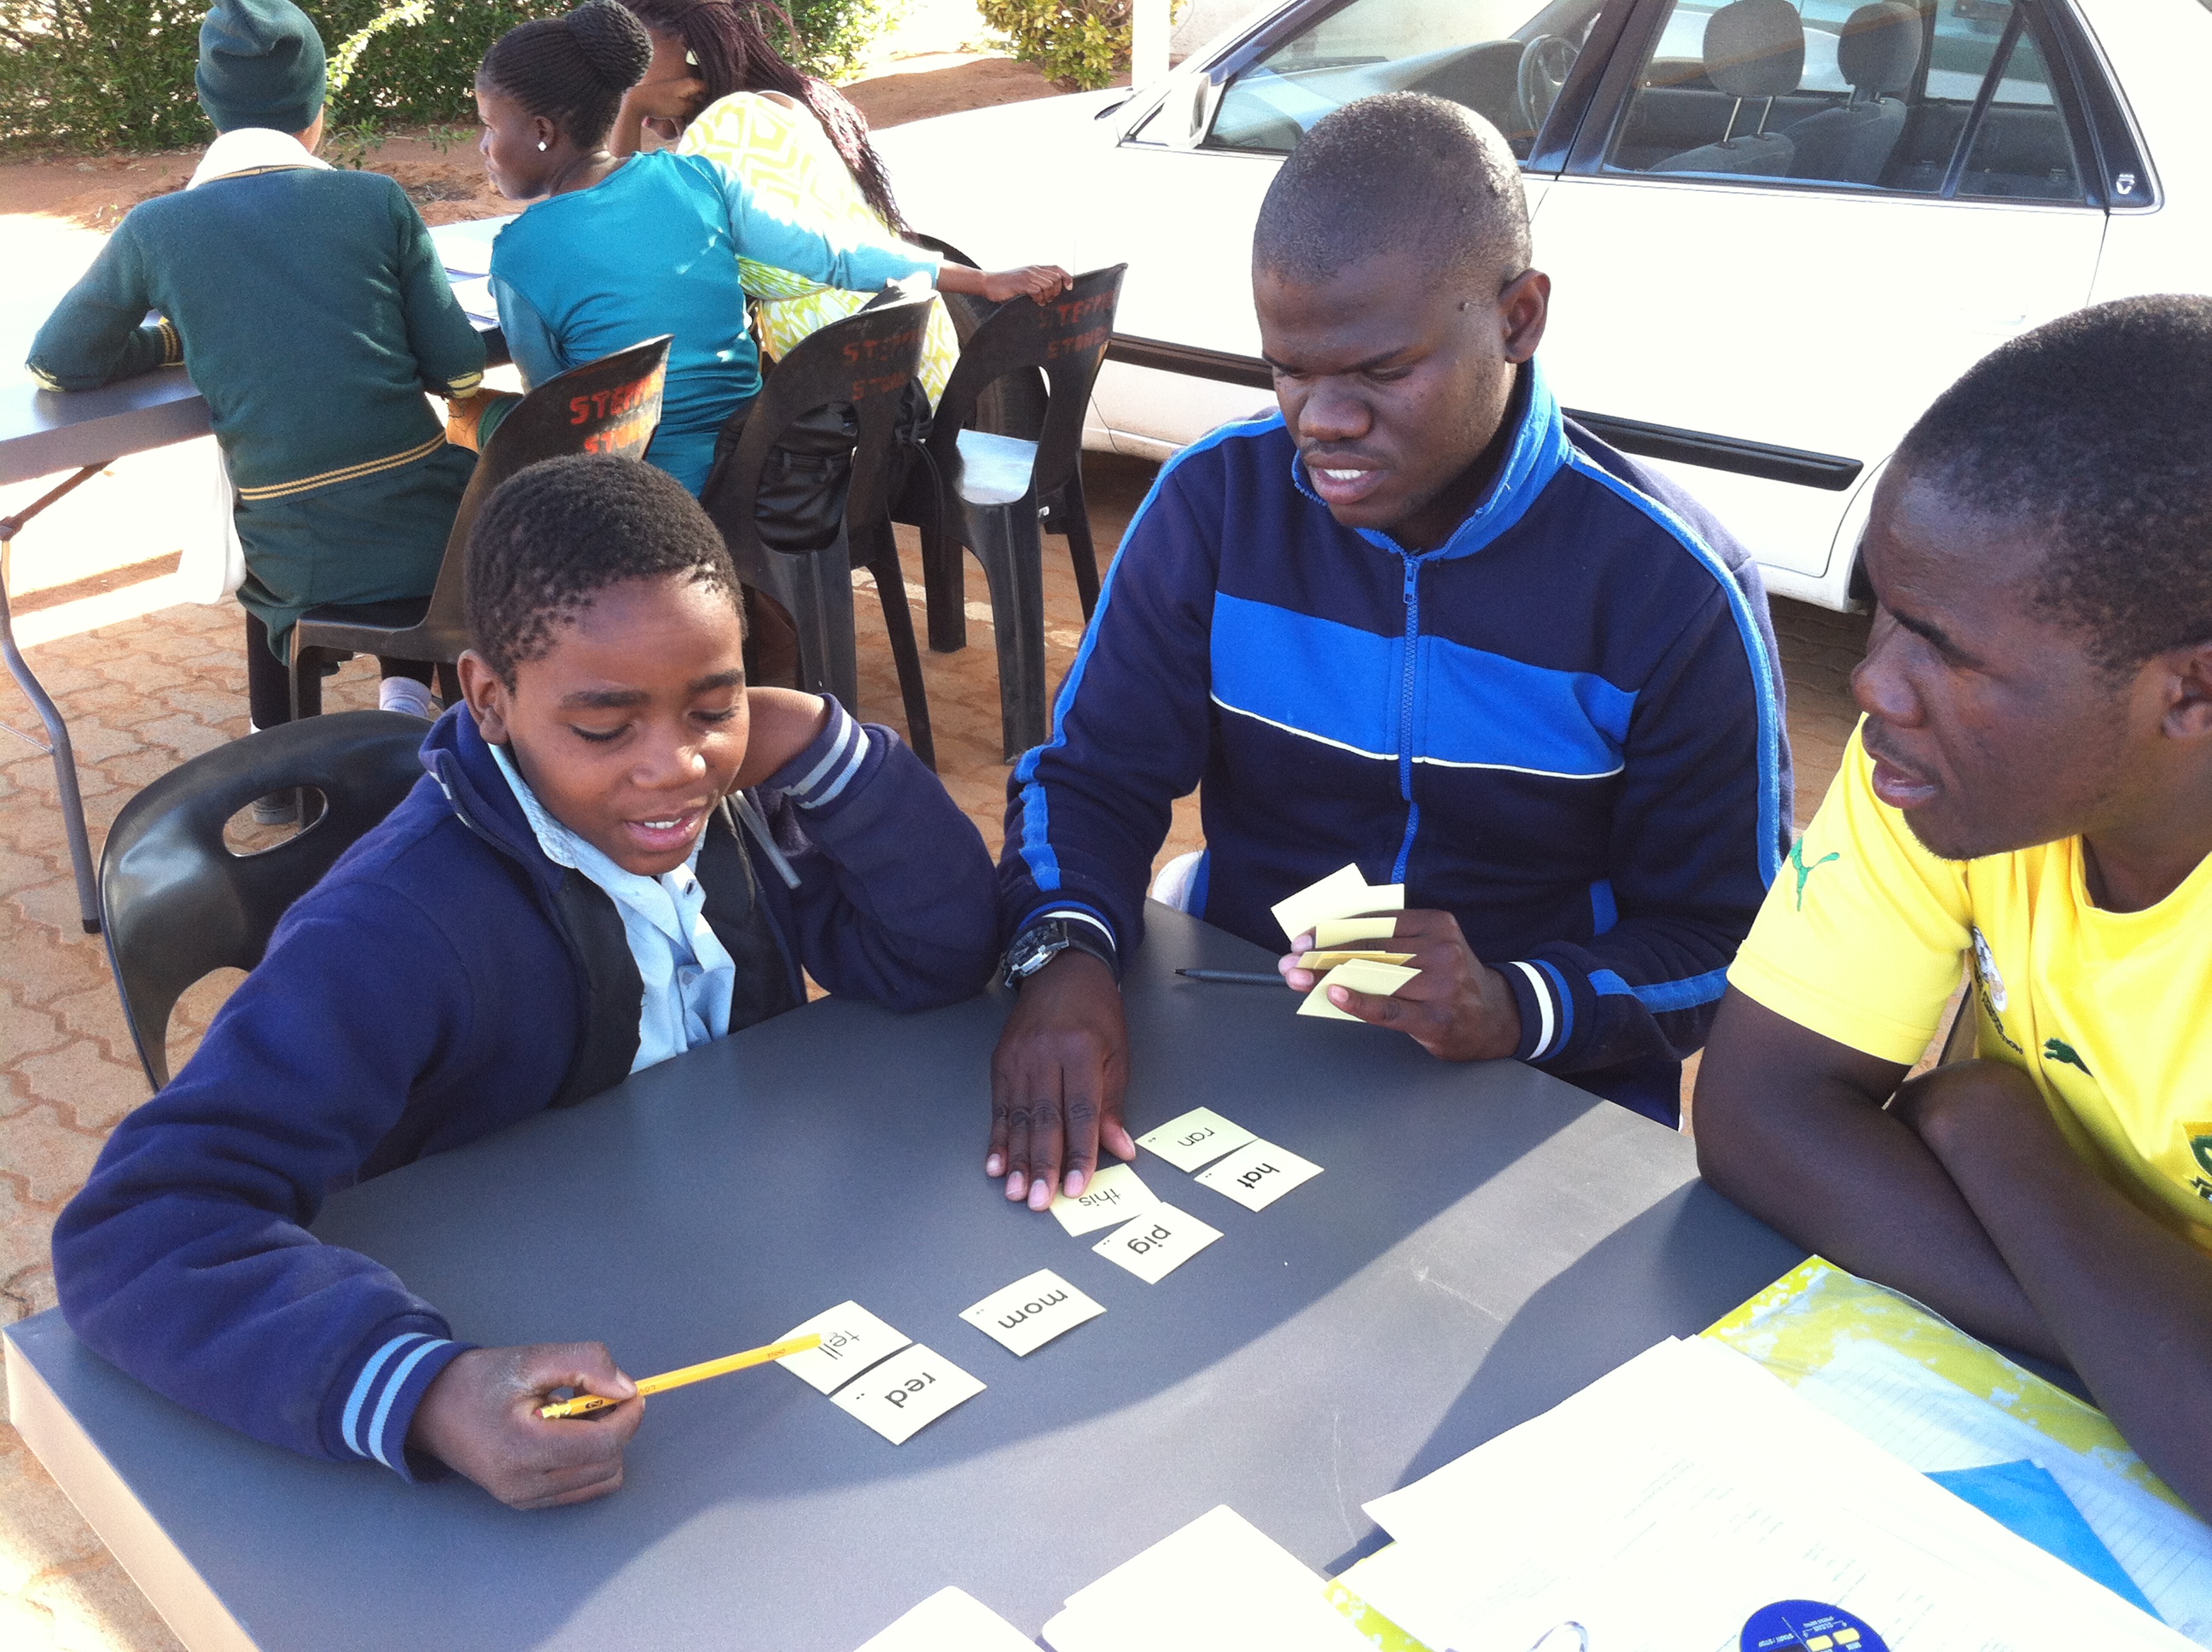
(1192, 1141)
(1157, 1243)
(1030, 1312)
(1115, 1193)
(853, 1339)
(1257, 1174)
(907, 1392)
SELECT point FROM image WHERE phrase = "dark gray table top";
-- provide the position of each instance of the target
(1483, 1242)
(44, 431)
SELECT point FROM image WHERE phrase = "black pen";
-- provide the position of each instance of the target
(1234, 977)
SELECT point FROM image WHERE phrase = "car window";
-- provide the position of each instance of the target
(1871, 96)
(1505, 60)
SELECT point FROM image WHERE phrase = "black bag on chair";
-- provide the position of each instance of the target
(801, 497)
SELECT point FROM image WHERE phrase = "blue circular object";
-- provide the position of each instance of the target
(1807, 1626)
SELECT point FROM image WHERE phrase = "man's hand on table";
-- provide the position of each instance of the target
(480, 1418)
(1057, 1080)
(1458, 1008)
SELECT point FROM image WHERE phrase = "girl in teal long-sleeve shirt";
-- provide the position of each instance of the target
(617, 250)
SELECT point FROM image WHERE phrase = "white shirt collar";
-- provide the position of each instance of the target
(251, 149)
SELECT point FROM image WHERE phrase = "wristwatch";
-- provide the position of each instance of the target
(1045, 939)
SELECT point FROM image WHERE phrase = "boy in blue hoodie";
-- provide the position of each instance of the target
(619, 852)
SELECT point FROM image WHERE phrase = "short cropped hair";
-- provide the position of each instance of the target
(551, 538)
(2095, 433)
(573, 69)
(1401, 171)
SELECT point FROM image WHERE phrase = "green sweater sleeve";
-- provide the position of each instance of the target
(98, 333)
(449, 351)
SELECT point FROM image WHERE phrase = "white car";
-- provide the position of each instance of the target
(1777, 228)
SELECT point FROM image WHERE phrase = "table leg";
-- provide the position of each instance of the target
(57, 742)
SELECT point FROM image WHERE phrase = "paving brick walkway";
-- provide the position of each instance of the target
(143, 695)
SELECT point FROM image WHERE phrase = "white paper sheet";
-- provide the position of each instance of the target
(951, 1620)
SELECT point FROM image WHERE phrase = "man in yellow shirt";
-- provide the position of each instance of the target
(2028, 798)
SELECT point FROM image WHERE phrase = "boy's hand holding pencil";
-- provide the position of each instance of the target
(481, 1418)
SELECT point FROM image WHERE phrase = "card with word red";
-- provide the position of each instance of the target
(1030, 1312)
(907, 1392)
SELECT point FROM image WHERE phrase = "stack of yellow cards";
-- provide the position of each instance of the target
(1341, 910)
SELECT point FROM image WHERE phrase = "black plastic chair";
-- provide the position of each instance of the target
(998, 491)
(863, 363)
(611, 405)
(177, 903)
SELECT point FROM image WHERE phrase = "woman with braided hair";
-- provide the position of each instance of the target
(612, 249)
(718, 86)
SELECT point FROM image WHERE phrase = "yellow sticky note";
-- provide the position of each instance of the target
(1030, 1312)
(1342, 894)
(1383, 980)
(1115, 1193)
(1192, 1140)
(1349, 931)
(853, 1339)
(1326, 960)
(1258, 1174)
(907, 1392)
(1157, 1243)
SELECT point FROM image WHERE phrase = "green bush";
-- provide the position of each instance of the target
(1081, 44)
(118, 74)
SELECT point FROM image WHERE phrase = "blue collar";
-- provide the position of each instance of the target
(1539, 450)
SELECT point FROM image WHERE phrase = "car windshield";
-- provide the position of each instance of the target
(1505, 60)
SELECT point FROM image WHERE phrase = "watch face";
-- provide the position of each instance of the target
(1031, 952)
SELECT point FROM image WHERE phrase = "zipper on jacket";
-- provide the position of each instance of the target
(1405, 715)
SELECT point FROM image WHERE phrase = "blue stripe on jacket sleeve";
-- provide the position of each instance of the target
(1660, 996)
(389, 1452)
(1036, 851)
(1567, 1033)
(365, 1384)
(1769, 847)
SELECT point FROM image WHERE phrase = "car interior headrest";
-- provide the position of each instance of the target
(1880, 47)
(1755, 49)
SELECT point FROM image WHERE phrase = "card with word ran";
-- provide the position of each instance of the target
(1196, 1139)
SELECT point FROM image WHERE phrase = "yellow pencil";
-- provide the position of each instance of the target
(585, 1403)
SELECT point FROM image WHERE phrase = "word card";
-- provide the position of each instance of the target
(1031, 1312)
(1324, 962)
(1199, 1136)
(853, 1339)
(1349, 931)
(907, 1392)
(951, 1620)
(1381, 978)
(1343, 894)
(1157, 1243)
(1257, 1176)
(1115, 1193)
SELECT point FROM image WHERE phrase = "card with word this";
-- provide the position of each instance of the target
(1115, 1193)
(1257, 1174)
(1157, 1243)
(1193, 1139)
(907, 1392)
(1030, 1312)
(853, 1339)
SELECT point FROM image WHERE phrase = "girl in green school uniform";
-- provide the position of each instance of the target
(313, 313)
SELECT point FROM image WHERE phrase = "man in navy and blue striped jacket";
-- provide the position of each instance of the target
(1418, 621)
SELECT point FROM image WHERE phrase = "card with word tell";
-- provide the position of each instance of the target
(853, 1339)
(1350, 932)
(907, 1392)
(1343, 894)
(1380, 978)
(1115, 1193)
(1157, 1243)
(1256, 1175)
(1196, 1139)
(1030, 1312)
